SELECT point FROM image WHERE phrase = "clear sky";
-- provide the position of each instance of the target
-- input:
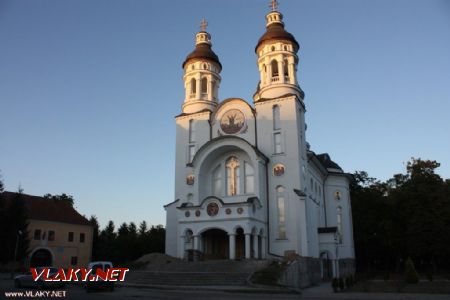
(89, 89)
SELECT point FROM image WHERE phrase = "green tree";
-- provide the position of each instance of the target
(63, 197)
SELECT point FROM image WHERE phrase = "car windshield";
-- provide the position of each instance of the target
(95, 267)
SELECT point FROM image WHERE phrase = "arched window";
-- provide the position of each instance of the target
(274, 65)
(281, 212)
(339, 223)
(193, 86)
(286, 67)
(249, 178)
(217, 181)
(213, 89)
(204, 85)
(276, 117)
(233, 176)
(191, 131)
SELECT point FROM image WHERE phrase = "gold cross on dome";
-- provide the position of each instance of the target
(203, 25)
(273, 5)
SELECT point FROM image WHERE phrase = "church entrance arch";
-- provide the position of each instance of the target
(240, 243)
(41, 258)
(215, 244)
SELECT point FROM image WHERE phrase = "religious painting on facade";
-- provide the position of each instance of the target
(187, 214)
(190, 179)
(197, 213)
(278, 170)
(232, 121)
(240, 210)
(337, 195)
(228, 211)
(212, 209)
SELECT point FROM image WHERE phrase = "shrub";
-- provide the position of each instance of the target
(430, 275)
(335, 284)
(411, 275)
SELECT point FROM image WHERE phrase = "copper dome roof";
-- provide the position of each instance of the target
(203, 51)
(276, 31)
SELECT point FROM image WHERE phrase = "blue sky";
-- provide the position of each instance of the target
(89, 89)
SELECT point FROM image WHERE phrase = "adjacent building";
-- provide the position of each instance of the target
(59, 235)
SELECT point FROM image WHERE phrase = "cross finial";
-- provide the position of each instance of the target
(203, 25)
(273, 5)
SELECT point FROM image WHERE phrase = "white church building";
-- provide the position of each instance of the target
(247, 184)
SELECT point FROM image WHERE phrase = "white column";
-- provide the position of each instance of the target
(232, 244)
(247, 245)
(196, 242)
(280, 70)
(210, 91)
(263, 247)
(255, 246)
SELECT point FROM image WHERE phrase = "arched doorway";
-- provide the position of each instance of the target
(215, 244)
(240, 244)
(41, 258)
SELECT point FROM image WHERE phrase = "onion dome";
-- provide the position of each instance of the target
(203, 47)
(275, 29)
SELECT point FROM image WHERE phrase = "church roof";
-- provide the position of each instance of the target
(39, 208)
(203, 51)
(277, 32)
(326, 161)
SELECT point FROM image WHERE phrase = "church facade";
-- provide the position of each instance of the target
(247, 184)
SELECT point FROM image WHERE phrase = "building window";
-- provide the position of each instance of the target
(286, 68)
(217, 181)
(82, 237)
(274, 65)
(51, 235)
(37, 234)
(276, 117)
(204, 85)
(281, 212)
(233, 185)
(277, 143)
(74, 260)
(249, 178)
(191, 152)
(70, 238)
(193, 86)
(213, 89)
(191, 131)
(339, 223)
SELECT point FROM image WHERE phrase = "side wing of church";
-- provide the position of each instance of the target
(247, 185)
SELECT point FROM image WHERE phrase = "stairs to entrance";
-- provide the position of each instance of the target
(183, 273)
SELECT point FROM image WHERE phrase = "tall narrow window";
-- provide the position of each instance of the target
(213, 89)
(191, 131)
(274, 65)
(277, 143)
(276, 117)
(204, 85)
(193, 86)
(191, 152)
(217, 181)
(339, 223)
(233, 186)
(286, 67)
(249, 178)
(281, 212)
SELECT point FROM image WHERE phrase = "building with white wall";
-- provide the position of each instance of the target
(247, 185)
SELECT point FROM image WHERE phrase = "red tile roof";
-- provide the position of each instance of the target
(39, 208)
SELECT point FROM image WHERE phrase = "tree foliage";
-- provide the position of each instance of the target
(128, 243)
(406, 216)
(63, 197)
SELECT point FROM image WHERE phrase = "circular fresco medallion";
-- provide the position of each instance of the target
(240, 210)
(197, 213)
(232, 121)
(228, 211)
(187, 214)
(212, 209)
(278, 170)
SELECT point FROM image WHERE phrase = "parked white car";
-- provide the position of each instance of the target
(97, 285)
(26, 280)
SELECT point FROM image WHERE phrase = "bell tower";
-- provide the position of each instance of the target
(201, 75)
(277, 59)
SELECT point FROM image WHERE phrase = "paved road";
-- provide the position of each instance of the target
(77, 292)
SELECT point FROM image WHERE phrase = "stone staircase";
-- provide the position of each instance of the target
(203, 273)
